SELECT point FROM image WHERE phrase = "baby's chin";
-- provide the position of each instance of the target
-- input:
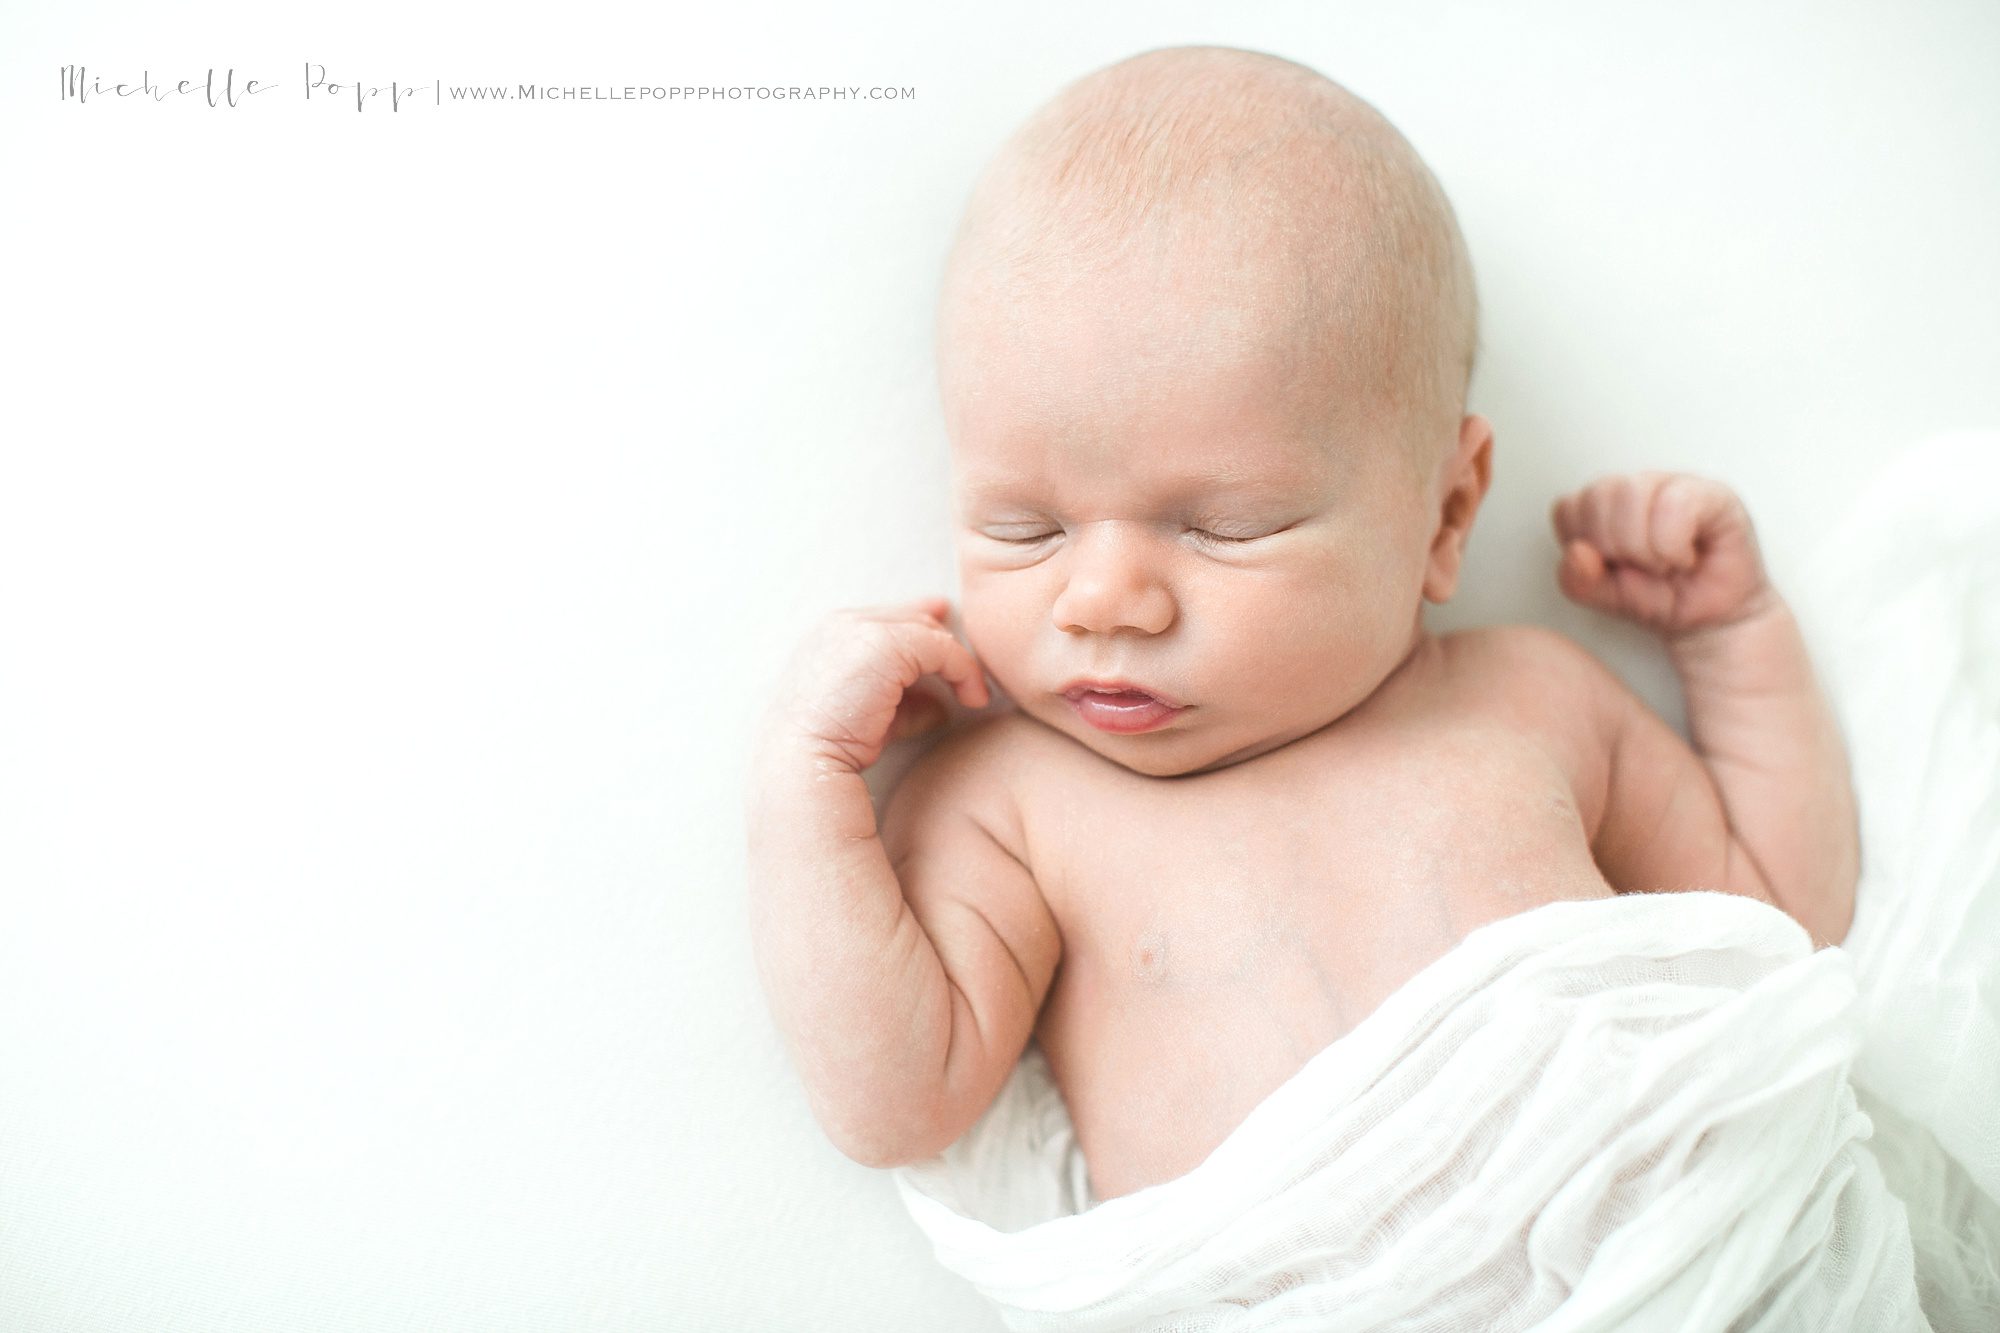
(1148, 762)
(1165, 754)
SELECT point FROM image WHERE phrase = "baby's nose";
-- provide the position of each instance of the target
(1113, 582)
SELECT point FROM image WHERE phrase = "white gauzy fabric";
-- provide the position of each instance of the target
(1623, 1114)
(1649, 1112)
(1904, 600)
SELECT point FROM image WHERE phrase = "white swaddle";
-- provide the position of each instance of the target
(1648, 1112)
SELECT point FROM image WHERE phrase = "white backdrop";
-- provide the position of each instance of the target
(403, 514)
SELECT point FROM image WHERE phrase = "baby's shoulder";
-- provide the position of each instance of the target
(1530, 648)
(989, 747)
(973, 771)
(1531, 675)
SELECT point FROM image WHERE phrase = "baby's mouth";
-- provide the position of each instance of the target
(1120, 709)
(1123, 693)
(1118, 698)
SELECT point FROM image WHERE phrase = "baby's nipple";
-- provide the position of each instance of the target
(1149, 956)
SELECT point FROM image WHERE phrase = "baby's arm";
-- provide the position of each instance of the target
(905, 1002)
(1677, 553)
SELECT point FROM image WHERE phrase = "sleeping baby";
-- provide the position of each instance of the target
(1205, 335)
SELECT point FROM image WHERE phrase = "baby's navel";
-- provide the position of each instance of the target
(1149, 956)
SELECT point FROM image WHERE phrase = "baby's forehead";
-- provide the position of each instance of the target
(1227, 284)
(1146, 343)
(1229, 268)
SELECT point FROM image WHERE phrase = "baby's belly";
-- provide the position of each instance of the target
(1167, 1025)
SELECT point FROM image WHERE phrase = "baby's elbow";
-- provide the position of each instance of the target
(880, 1154)
(880, 1139)
(1825, 911)
(875, 1144)
(885, 1151)
(1839, 920)
(1828, 914)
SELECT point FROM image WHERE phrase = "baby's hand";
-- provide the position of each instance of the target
(847, 692)
(1671, 551)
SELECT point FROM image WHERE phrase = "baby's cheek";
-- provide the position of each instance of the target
(1330, 638)
(993, 632)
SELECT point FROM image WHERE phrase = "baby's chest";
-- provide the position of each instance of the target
(1303, 887)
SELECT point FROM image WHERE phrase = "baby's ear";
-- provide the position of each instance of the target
(1467, 474)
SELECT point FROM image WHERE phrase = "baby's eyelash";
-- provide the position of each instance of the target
(1201, 533)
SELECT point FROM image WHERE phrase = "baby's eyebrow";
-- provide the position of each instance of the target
(989, 490)
(1227, 481)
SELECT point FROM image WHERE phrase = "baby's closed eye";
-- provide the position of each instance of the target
(1211, 532)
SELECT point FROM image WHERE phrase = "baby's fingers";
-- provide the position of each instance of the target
(1620, 589)
(853, 683)
(1684, 515)
(924, 608)
(1581, 571)
(1604, 515)
(1585, 577)
(931, 649)
(1652, 521)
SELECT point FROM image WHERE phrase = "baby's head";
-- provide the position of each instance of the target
(1203, 341)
